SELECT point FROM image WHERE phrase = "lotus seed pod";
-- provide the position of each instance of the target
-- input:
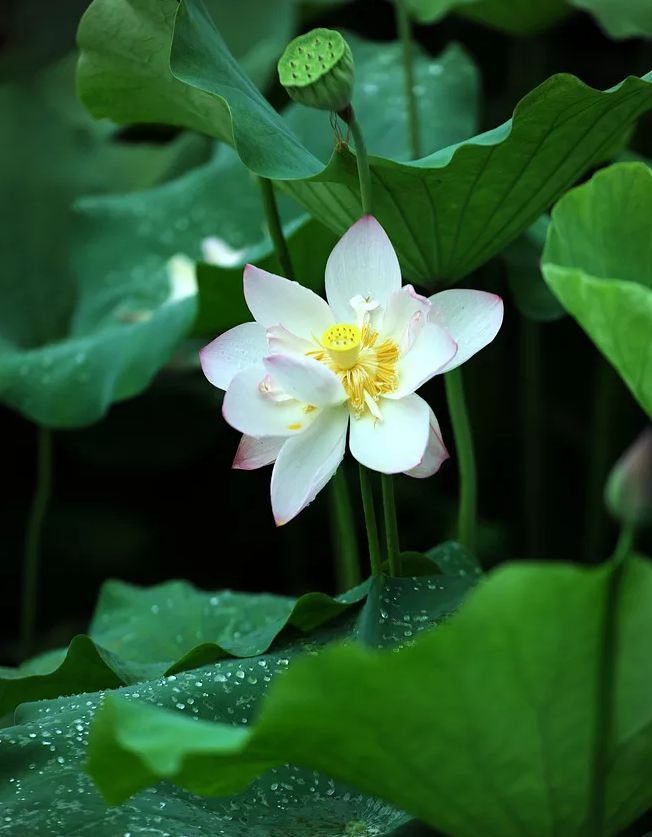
(629, 488)
(316, 69)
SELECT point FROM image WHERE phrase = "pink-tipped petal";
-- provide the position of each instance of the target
(405, 315)
(472, 317)
(362, 263)
(274, 300)
(397, 442)
(431, 351)
(306, 379)
(233, 351)
(306, 463)
(255, 412)
(256, 453)
(435, 454)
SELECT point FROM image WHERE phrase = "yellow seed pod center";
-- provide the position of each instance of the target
(342, 341)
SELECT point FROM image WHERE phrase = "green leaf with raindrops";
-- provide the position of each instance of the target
(446, 214)
(501, 701)
(598, 263)
(139, 634)
(44, 791)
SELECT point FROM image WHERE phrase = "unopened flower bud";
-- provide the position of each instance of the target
(629, 488)
(316, 69)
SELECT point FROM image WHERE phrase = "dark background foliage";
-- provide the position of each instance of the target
(147, 494)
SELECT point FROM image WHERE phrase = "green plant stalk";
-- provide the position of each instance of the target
(364, 178)
(362, 159)
(404, 27)
(370, 520)
(600, 453)
(604, 718)
(391, 526)
(532, 436)
(275, 228)
(467, 514)
(347, 558)
(33, 538)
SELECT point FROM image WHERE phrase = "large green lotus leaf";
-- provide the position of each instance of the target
(447, 94)
(620, 18)
(124, 67)
(256, 32)
(49, 369)
(114, 82)
(140, 634)
(43, 790)
(519, 16)
(446, 214)
(598, 262)
(486, 725)
(452, 211)
(142, 231)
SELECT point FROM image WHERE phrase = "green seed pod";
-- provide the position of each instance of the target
(629, 488)
(316, 69)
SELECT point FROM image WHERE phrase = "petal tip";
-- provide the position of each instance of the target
(248, 272)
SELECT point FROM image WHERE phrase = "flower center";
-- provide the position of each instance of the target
(366, 368)
(343, 341)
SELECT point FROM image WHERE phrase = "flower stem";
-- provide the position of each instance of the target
(532, 456)
(605, 395)
(274, 225)
(362, 160)
(466, 520)
(370, 520)
(33, 540)
(404, 27)
(605, 693)
(391, 526)
(347, 559)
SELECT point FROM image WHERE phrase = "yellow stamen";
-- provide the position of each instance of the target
(366, 370)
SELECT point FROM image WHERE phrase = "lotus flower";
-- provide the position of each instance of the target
(307, 371)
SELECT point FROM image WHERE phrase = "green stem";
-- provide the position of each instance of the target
(362, 160)
(274, 225)
(404, 26)
(33, 535)
(347, 559)
(625, 543)
(602, 411)
(605, 695)
(532, 437)
(370, 520)
(466, 521)
(391, 526)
